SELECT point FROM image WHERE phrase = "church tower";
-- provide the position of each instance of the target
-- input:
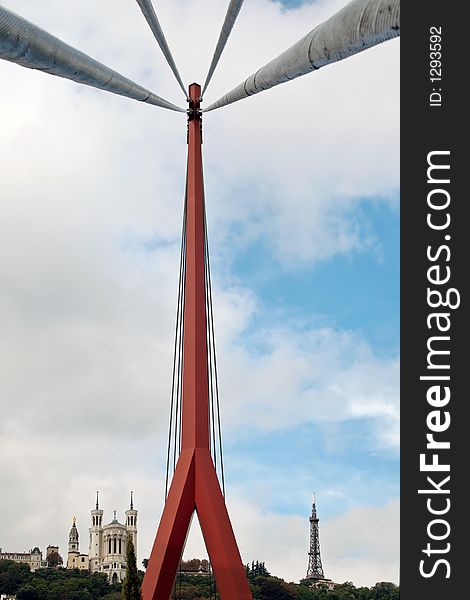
(131, 523)
(96, 536)
(73, 538)
(73, 550)
(75, 560)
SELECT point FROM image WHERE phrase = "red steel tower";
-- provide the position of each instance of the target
(195, 485)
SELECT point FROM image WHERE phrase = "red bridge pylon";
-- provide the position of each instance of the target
(195, 485)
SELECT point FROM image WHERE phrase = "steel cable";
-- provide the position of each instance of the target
(176, 375)
(356, 27)
(179, 382)
(150, 15)
(28, 45)
(216, 419)
(216, 426)
(227, 26)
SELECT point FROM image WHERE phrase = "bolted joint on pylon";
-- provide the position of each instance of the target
(194, 99)
(194, 111)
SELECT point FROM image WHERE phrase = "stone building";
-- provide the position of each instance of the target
(51, 550)
(33, 558)
(107, 545)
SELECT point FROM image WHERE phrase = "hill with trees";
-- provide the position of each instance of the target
(72, 584)
(54, 584)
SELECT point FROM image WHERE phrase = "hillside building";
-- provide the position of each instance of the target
(107, 544)
(33, 558)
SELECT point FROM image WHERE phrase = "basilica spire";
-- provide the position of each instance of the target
(132, 500)
(73, 537)
(97, 501)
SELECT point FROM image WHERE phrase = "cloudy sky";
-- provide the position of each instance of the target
(302, 198)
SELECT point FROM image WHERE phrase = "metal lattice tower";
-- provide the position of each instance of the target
(315, 568)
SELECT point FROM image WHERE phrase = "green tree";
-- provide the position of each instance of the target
(190, 565)
(131, 584)
(98, 585)
(384, 590)
(12, 576)
(112, 596)
(345, 591)
(27, 592)
(273, 588)
(54, 559)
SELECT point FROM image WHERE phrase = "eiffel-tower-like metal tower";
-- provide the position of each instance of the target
(315, 568)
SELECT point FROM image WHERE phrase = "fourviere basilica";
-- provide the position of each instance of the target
(107, 546)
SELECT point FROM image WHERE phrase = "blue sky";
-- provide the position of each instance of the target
(349, 474)
(358, 291)
(302, 196)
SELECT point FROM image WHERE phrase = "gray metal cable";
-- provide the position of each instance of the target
(356, 27)
(149, 13)
(177, 359)
(26, 44)
(227, 26)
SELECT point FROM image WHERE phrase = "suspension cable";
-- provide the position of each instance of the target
(150, 15)
(211, 412)
(227, 26)
(216, 426)
(216, 378)
(210, 581)
(173, 379)
(361, 24)
(179, 383)
(28, 45)
(177, 366)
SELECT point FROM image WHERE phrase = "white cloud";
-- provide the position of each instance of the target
(362, 545)
(312, 375)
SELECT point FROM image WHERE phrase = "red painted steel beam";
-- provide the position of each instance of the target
(195, 485)
(195, 419)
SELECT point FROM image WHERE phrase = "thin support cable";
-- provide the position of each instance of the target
(178, 403)
(227, 26)
(209, 369)
(179, 386)
(209, 341)
(150, 15)
(181, 398)
(174, 371)
(216, 377)
(211, 379)
(211, 385)
(210, 580)
(212, 445)
(175, 437)
(183, 301)
(176, 352)
(210, 390)
(180, 579)
(213, 358)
